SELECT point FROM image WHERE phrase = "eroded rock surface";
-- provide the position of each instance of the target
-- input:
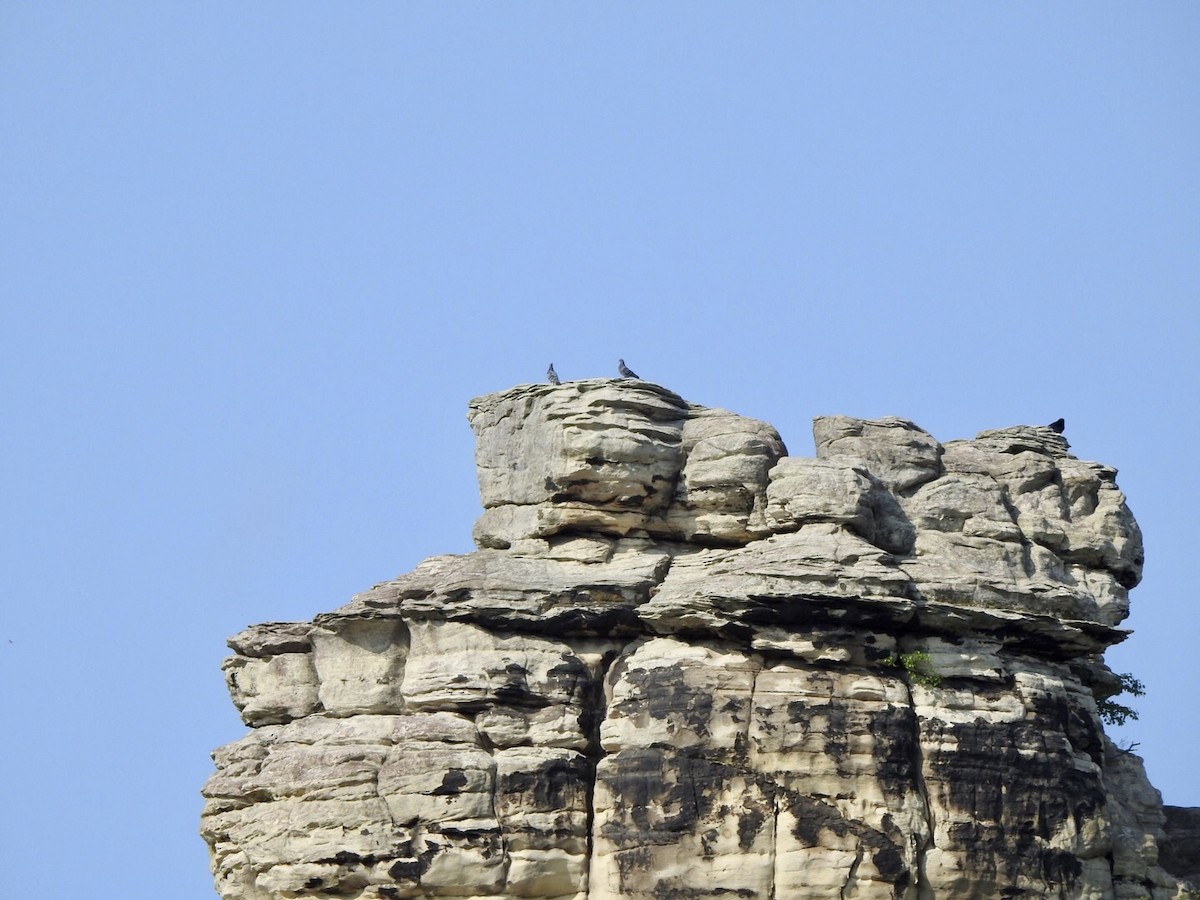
(685, 665)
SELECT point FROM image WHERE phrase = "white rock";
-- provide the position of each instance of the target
(721, 493)
(895, 451)
(274, 689)
(360, 663)
(803, 491)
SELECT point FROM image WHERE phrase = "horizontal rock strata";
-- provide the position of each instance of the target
(685, 665)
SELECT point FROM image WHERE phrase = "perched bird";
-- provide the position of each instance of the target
(1057, 426)
(551, 375)
(625, 371)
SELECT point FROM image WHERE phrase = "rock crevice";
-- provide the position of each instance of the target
(683, 664)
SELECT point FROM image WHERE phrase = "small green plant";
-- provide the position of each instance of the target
(919, 666)
(1114, 713)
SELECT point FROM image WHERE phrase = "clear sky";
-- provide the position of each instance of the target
(256, 258)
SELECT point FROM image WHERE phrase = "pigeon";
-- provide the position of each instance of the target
(625, 371)
(551, 375)
(1057, 426)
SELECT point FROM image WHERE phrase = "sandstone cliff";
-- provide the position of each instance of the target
(683, 664)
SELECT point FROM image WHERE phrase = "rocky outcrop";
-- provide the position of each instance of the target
(685, 665)
(1180, 846)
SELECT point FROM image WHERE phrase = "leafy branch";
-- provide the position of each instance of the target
(919, 666)
(1114, 713)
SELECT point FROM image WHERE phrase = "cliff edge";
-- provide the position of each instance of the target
(683, 664)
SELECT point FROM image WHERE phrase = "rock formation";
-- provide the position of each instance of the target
(683, 664)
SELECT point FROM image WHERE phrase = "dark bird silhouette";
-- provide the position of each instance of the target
(625, 371)
(551, 375)
(1057, 426)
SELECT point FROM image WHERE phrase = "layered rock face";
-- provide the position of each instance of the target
(683, 664)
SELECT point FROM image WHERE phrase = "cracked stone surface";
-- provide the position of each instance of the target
(683, 664)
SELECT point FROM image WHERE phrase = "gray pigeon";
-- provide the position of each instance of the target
(551, 375)
(625, 371)
(1057, 426)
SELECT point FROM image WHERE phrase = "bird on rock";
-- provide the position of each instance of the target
(625, 371)
(551, 375)
(1057, 426)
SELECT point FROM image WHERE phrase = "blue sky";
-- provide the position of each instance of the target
(256, 258)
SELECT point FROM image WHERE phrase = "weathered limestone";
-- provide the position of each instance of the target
(1179, 851)
(617, 458)
(721, 492)
(271, 678)
(593, 456)
(575, 585)
(895, 451)
(683, 664)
